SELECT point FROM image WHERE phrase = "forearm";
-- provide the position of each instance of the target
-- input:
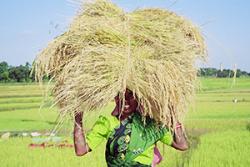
(81, 147)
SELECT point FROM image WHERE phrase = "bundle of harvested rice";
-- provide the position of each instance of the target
(152, 52)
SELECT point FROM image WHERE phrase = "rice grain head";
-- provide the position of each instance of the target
(152, 52)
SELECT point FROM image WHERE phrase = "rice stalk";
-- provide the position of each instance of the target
(106, 50)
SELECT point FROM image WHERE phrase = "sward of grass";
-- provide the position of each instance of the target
(16, 153)
(208, 116)
(224, 83)
(215, 116)
(24, 100)
(223, 97)
(28, 119)
(18, 106)
(224, 149)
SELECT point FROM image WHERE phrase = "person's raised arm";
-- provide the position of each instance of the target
(180, 141)
(81, 147)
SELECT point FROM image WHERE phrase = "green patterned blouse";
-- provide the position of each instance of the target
(129, 142)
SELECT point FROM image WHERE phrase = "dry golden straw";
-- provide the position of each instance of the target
(106, 50)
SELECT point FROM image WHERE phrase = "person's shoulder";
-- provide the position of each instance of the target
(108, 119)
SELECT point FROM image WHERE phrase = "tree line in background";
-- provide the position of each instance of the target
(225, 73)
(22, 73)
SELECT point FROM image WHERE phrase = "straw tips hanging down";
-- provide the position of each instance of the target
(152, 52)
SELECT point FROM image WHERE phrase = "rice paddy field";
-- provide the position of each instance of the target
(218, 127)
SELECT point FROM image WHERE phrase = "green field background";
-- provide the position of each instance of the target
(217, 124)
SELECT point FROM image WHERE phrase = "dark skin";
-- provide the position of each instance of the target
(179, 142)
(81, 147)
(131, 104)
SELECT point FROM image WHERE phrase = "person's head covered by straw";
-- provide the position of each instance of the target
(151, 52)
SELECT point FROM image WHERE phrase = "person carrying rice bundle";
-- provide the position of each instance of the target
(145, 59)
(130, 142)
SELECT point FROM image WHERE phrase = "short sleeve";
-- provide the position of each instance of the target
(98, 133)
(167, 138)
